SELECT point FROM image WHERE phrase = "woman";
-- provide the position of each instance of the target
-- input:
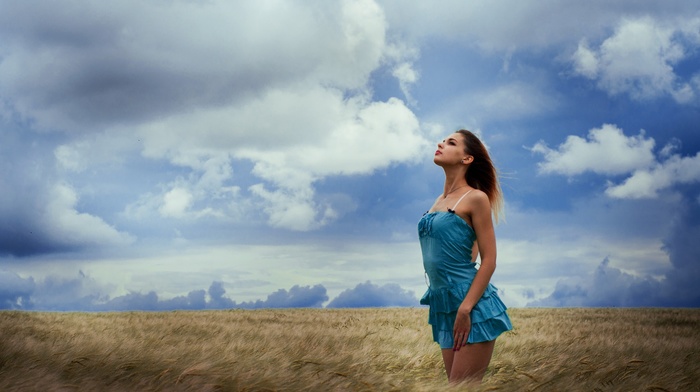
(466, 314)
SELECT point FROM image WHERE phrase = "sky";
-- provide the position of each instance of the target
(211, 154)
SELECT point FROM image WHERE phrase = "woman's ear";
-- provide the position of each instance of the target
(467, 160)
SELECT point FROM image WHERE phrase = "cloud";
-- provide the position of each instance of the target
(668, 281)
(609, 286)
(296, 297)
(151, 301)
(370, 295)
(306, 136)
(83, 293)
(366, 138)
(647, 183)
(514, 100)
(216, 297)
(188, 125)
(606, 287)
(67, 226)
(40, 213)
(684, 253)
(66, 293)
(638, 59)
(207, 192)
(609, 152)
(102, 63)
(585, 61)
(407, 76)
(194, 300)
(15, 291)
(508, 25)
(178, 83)
(175, 202)
(90, 152)
(605, 151)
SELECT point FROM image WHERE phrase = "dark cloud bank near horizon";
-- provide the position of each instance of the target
(608, 286)
(84, 294)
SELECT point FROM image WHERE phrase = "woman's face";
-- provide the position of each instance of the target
(451, 151)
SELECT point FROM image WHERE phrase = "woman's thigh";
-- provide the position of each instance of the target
(470, 361)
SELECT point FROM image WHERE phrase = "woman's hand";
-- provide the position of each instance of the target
(463, 324)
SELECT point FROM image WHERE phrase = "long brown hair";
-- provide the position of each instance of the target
(482, 173)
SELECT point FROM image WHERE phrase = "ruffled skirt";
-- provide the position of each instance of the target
(489, 318)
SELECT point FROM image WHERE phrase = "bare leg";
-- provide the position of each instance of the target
(448, 355)
(470, 362)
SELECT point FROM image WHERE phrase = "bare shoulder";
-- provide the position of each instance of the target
(470, 202)
(478, 196)
(478, 201)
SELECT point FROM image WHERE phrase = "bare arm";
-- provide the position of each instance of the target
(475, 251)
(483, 226)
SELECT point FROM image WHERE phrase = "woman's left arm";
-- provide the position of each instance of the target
(483, 226)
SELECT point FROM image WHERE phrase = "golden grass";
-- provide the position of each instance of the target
(355, 350)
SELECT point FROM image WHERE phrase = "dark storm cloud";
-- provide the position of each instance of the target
(62, 65)
(370, 295)
(296, 297)
(82, 293)
(607, 287)
(24, 170)
(194, 300)
(216, 297)
(37, 210)
(683, 247)
(76, 66)
(610, 286)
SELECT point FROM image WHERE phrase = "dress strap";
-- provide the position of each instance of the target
(460, 199)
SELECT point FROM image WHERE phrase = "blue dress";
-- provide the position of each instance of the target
(446, 243)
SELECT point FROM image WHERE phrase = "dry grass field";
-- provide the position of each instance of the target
(342, 350)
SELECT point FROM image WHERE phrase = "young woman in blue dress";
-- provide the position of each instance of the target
(466, 314)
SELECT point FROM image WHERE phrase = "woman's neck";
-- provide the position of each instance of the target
(454, 180)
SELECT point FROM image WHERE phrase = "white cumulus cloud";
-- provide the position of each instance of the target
(606, 150)
(638, 59)
(647, 183)
(176, 202)
(70, 227)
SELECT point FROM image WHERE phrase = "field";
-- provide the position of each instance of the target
(354, 350)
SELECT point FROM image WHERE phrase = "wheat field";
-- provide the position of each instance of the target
(342, 350)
